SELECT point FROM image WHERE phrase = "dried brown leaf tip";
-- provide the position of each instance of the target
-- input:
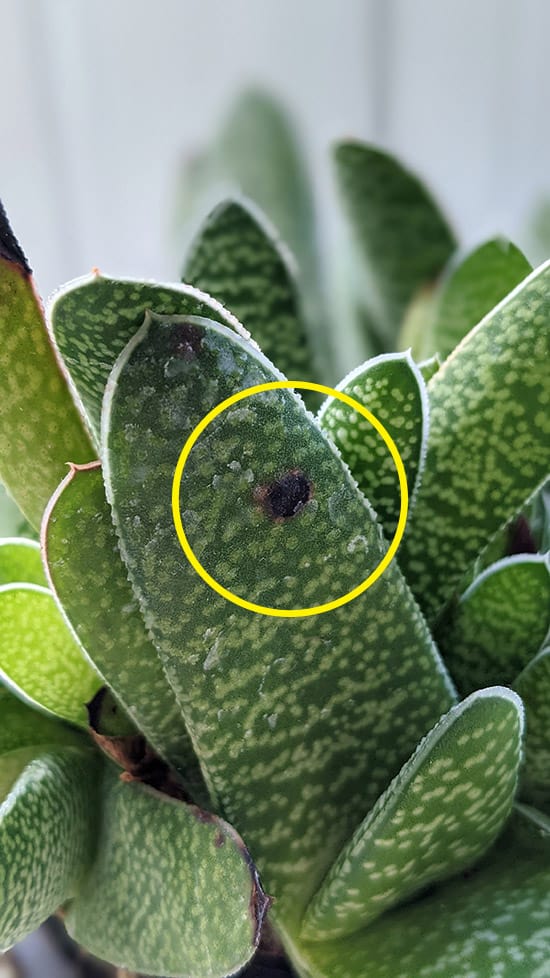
(286, 496)
(10, 249)
(128, 748)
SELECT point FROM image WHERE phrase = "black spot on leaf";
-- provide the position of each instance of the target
(185, 341)
(285, 497)
(10, 249)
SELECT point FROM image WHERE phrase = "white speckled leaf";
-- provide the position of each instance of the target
(47, 828)
(92, 319)
(498, 624)
(439, 815)
(40, 428)
(488, 440)
(399, 228)
(39, 659)
(91, 585)
(392, 388)
(533, 685)
(172, 890)
(471, 287)
(288, 716)
(237, 258)
(20, 561)
(492, 922)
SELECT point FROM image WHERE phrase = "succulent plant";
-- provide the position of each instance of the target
(367, 789)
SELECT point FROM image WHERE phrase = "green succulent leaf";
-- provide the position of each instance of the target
(172, 889)
(91, 585)
(94, 317)
(429, 367)
(288, 715)
(403, 236)
(488, 440)
(20, 560)
(470, 289)
(533, 685)
(39, 659)
(47, 832)
(492, 921)
(392, 388)
(40, 428)
(237, 258)
(21, 726)
(500, 622)
(444, 809)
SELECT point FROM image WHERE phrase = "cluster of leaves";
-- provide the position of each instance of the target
(393, 794)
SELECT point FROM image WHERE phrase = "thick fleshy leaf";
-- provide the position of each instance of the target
(488, 441)
(403, 235)
(533, 685)
(47, 832)
(472, 287)
(93, 318)
(392, 388)
(498, 624)
(20, 561)
(21, 726)
(492, 921)
(429, 367)
(39, 659)
(288, 715)
(91, 585)
(236, 257)
(40, 428)
(444, 809)
(172, 890)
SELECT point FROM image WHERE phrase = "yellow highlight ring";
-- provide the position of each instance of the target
(319, 609)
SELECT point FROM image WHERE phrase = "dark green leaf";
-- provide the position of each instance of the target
(533, 685)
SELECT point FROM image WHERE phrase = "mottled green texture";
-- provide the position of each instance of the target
(20, 561)
(46, 837)
(493, 922)
(533, 685)
(400, 230)
(236, 258)
(93, 318)
(498, 624)
(40, 428)
(470, 289)
(172, 889)
(289, 716)
(440, 814)
(39, 658)
(488, 440)
(392, 388)
(91, 585)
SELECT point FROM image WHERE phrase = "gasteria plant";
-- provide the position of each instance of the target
(377, 795)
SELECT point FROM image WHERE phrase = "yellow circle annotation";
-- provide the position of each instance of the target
(329, 605)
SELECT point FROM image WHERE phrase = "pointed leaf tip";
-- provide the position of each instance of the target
(10, 249)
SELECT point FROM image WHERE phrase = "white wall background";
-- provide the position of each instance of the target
(99, 100)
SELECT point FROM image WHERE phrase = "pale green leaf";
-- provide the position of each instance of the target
(429, 367)
(47, 829)
(40, 428)
(172, 889)
(533, 685)
(444, 809)
(399, 228)
(288, 715)
(493, 921)
(21, 726)
(20, 561)
(392, 388)
(91, 584)
(488, 440)
(471, 287)
(500, 622)
(237, 258)
(93, 318)
(39, 659)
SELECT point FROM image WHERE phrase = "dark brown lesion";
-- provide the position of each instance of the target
(286, 496)
(186, 341)
(10, 249)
